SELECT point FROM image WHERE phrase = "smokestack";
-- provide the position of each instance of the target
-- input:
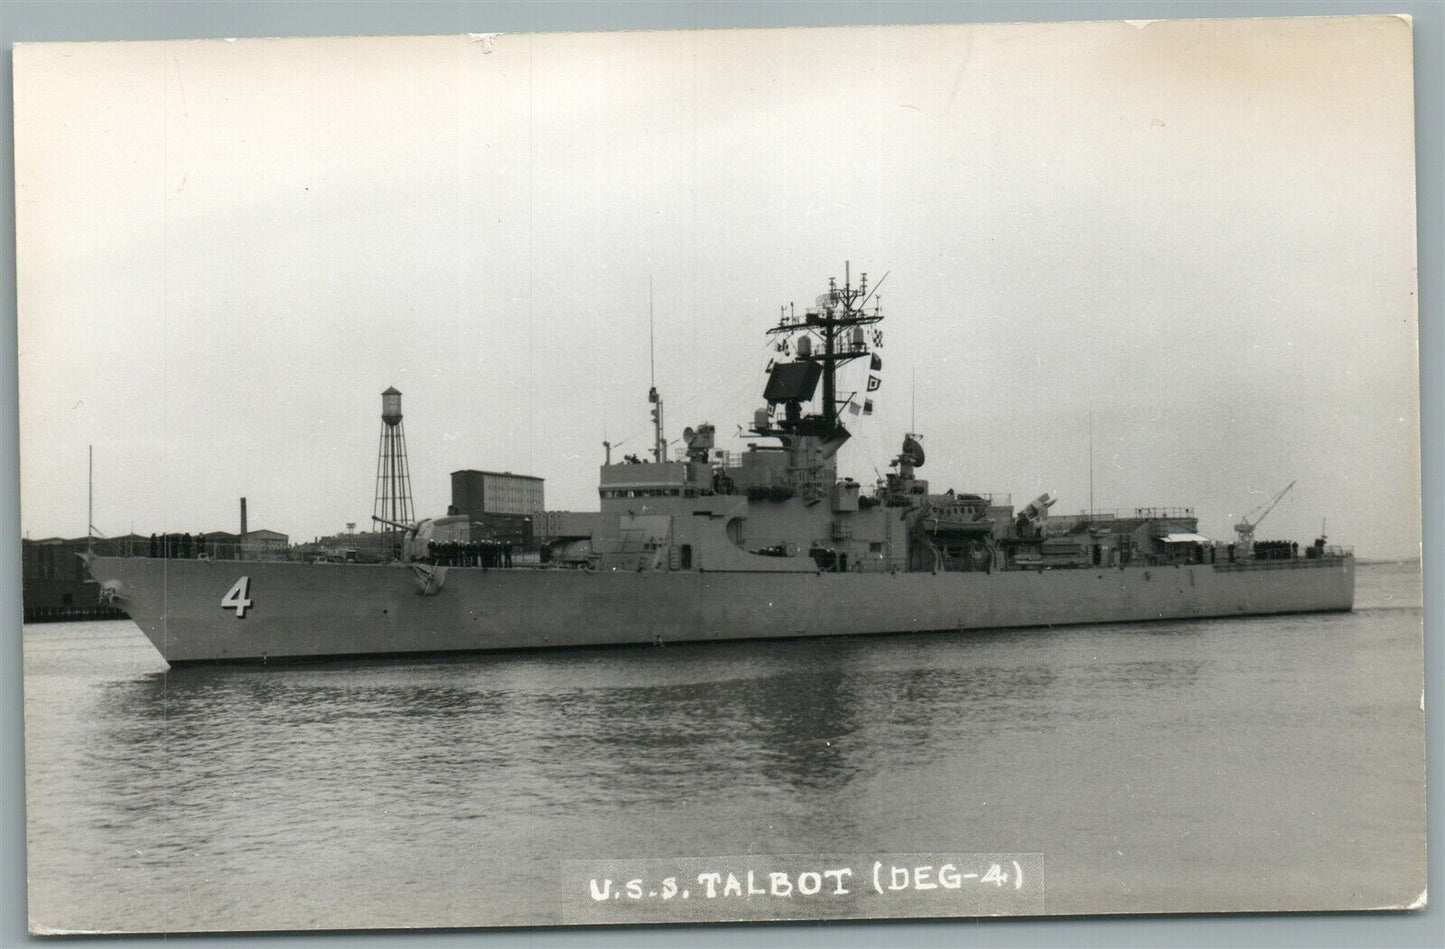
(243, 518)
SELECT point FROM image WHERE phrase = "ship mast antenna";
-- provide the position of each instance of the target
(875, 289)
(1091, 461)
(913, 399)
(839, 323)
(659, 443)
(90, 500)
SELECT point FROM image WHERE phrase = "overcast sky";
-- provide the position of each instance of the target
(1200, 234)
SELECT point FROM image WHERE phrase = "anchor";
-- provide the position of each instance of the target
(111, 593)
(429, 579)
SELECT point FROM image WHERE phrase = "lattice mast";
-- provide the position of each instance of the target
(393, 478)
(838, 323)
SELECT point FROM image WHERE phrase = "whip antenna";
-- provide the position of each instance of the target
(913, 407)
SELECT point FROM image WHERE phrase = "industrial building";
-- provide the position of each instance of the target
(354, 547)
(493, 492)
(502, 506)
(54, 583)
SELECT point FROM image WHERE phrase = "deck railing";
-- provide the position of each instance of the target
(225, 551)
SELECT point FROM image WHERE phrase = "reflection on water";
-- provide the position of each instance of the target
(456, 732)
(444, 791)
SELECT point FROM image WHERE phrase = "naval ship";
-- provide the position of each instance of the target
(764, 543)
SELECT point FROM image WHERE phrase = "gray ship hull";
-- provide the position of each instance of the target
(192, 610)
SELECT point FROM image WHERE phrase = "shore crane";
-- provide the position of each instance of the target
(1245, 527)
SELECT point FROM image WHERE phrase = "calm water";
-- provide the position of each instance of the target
(1219, 765)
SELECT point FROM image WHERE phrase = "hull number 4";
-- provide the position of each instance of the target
(238, 598)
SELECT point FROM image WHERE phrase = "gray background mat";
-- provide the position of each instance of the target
(124, 19)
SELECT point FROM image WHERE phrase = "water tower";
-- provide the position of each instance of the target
(393, 480)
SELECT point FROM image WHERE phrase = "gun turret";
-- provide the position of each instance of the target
(409, 528)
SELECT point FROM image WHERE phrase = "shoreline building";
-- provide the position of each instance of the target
(54, 584)
(502, 506)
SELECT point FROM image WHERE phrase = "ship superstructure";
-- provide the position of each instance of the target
(769, 541)
(781, 506)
